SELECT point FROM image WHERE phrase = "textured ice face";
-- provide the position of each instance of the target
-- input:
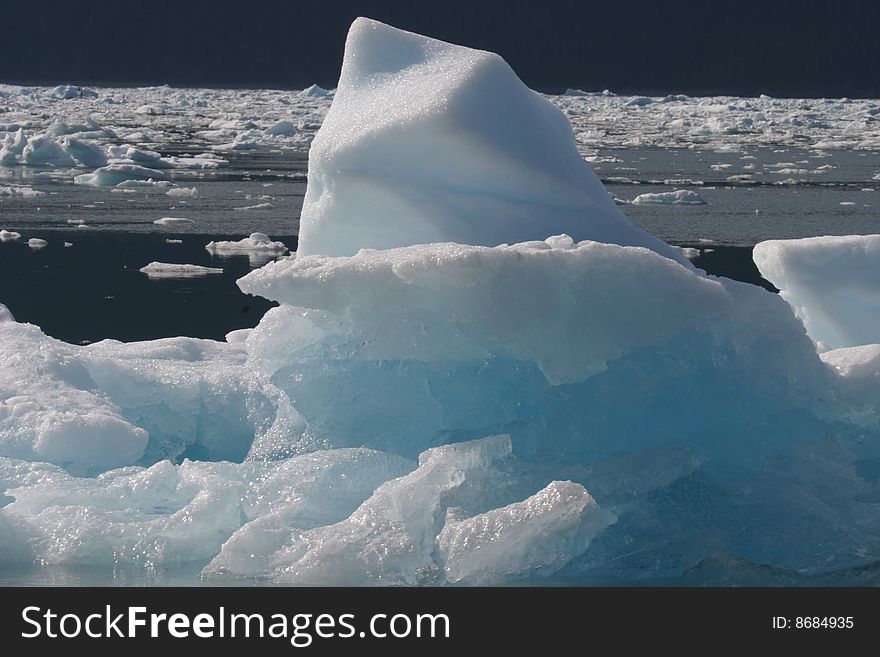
(832, 283)
(447, 341)
(112, 404)
(503, 164)
(411, 530)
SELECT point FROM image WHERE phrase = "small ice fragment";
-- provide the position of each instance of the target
(680, 197)
(171, 270)
(173, 221)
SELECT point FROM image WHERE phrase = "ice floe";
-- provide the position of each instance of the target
(679, 197)
(156, 270)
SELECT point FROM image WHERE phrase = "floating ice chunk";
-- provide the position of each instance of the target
(86, 153)
(255, 242)
(69, 91)
(315, 91)
(679, 197)
(59, 128)
(37, 243)
(43, 150)
(171, 241)
(441, 341)
(173, 221)
(21, 191)
(67, 245)
(538, 535)
(831, 283)
(639, 101)
(152, 110)
(280, 129)
(156, 270)
(113, 174)
(9, 236)
(6, 314)
(258, 206)
(126, 154)
(189, 192)
(432, 142)
(689, 252)
(147, 184)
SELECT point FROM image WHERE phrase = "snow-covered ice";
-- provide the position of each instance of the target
(254, 242)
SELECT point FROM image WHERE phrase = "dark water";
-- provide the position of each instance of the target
(93, 289)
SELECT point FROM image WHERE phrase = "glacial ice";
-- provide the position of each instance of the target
(113, 174)
(488, 181)
(832, 283)
(160, 270)
(9, 235)
(585, 407)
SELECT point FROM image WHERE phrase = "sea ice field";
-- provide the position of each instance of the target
(434, 328)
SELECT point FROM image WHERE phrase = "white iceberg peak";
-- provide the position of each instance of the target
(428, 141)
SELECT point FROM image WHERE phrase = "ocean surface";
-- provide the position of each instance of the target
(93, 289)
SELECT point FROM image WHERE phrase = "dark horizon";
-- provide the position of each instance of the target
(783, 48)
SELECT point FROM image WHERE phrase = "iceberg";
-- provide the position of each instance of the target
(113, 174)
(832, 283)
(20, 191)
(43, 150)
(479, 373)
(258, 247)
(427, 142)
